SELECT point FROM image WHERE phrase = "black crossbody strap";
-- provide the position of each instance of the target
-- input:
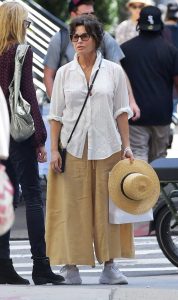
(89, 91)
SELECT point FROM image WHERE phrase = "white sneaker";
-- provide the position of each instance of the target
(71, 274)
(112, 275)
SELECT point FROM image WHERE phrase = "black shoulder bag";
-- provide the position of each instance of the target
(63, 151)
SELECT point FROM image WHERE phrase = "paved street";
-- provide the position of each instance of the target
(149, 261)
(150, 274)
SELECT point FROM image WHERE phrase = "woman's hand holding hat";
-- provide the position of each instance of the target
(127, 153)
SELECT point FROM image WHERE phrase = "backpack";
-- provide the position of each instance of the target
(64, 43)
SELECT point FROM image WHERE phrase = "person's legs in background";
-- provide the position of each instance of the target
(159, 142)
(140, 141)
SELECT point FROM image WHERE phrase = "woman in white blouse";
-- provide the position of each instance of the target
(77, 200)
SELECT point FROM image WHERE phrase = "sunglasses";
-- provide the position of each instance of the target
(137, 6)
(27, 23)
(84, 37)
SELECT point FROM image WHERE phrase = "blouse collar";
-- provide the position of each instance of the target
(75, 64)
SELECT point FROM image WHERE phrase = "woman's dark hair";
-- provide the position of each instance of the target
(73, 5)
(92, 26)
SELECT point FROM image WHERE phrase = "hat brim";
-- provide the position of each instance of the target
(116, 176)
(136, 1)
(150, 27)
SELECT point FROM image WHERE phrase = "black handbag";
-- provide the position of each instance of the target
(63, 151)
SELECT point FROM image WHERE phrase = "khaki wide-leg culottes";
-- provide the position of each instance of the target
(77, 225)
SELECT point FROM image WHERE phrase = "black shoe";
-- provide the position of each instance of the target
(8, 273)
(43, 274)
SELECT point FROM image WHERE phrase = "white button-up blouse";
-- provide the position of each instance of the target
(108, 99)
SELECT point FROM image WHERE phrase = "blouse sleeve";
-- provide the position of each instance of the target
(121, 97)
(29, 94)
(57, 104)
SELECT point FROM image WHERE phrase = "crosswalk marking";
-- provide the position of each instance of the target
(127, 262)
(149, 260)
(150, 251)
(137, 252)
(20, 247)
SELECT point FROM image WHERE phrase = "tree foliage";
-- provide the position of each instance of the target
(108, 12)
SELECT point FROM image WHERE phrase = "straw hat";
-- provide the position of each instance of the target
(134, 187)
(146, 2)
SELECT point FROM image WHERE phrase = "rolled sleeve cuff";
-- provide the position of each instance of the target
(123, 110)
(53, 117)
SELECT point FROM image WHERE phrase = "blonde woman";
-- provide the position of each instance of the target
(77, 200)
(22, 164)
(126, 30)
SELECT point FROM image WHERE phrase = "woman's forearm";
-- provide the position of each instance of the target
(55, 131)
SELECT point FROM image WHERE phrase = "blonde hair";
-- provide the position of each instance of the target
(12, 29)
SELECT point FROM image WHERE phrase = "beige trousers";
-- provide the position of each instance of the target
(77, 226)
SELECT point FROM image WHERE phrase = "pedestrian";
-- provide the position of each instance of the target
(6, 189)
(22, 164)
(171, 32)
(77, 200)
(126, 30)
(61, 50)
(171, 22)
(151, 64)
(4, 127)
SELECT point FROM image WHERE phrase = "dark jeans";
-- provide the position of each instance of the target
(22, 168)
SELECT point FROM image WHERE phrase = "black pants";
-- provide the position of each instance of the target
(22, 168)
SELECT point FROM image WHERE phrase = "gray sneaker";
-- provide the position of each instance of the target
(71, 274)
(112, 275)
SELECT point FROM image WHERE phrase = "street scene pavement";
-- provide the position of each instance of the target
(150, 274)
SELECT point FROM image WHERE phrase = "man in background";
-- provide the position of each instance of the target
(151, 64)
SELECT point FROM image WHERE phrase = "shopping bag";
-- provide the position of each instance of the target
(119, 216)
(4, 127)
(6, 199)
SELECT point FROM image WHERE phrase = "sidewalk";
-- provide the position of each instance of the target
(140, 288)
